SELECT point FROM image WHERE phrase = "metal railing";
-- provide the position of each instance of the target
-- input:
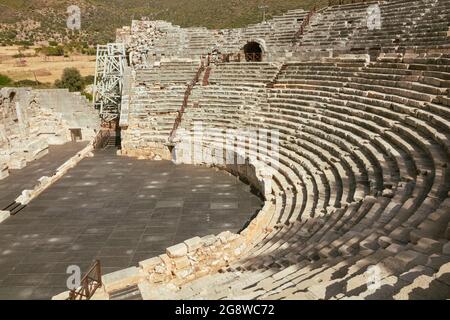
(277, 75)
(253, 56)
(89, 284)
(205, 81)
(187, 93)
(305, 22)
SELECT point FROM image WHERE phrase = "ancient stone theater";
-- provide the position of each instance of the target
(303, 157)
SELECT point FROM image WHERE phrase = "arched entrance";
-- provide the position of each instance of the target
(12, 110)
(12, 96)
(253, 52)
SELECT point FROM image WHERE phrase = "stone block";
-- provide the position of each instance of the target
(435, 261)
(184, 273)
(209, 240)
(370, 243)
(319, 291)
(147, 291)
(415, 272)
(4, 173)
(17, 163)
(165, 259)
(446, 249)
(193, 244)
(359, 281)
(150, 264)
(178, 250)
(227, 236)
(122, 278)
(394, 248)
(384, 241)
(44, 180)
(428, 246)
(25, 197)
(443, 274)
(181, 263)
(393, 265)
(4, 215)
(410, 258)
(401, 234)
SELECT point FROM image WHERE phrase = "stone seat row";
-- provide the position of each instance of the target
(403, 145)
(402, 24)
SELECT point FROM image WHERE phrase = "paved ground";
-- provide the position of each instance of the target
(26, 178)
(118, 210)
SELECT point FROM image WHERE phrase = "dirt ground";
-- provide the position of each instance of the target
(44, 69)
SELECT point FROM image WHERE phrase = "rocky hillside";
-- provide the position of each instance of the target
(33, 21)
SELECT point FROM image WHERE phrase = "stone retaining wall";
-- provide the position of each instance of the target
(31, 120)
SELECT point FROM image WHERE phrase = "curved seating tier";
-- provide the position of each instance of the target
(248, 74)
(404, 24)
(361, 180)
(169, 72)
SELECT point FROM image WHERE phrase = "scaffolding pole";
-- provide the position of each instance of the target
(109, 70)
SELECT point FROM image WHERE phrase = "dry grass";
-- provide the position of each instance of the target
(45, 69)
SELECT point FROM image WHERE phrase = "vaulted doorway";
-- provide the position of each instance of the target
(253, 52)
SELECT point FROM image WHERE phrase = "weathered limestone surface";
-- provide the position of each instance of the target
(331, 30)
(180, 265)
(357, 187)
(151, 41)
(357, 139)
(4, 215)
(30, 120)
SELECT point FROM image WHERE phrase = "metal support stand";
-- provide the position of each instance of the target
(108, 84)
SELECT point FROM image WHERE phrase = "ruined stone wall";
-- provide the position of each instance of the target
(31, 120)
(151, 116)
(150, 41)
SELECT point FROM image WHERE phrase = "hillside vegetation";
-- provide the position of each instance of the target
(28, 22)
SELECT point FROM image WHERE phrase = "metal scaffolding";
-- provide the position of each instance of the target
(108, 84)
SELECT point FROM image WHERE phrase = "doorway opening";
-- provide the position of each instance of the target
(253, 52)
(76, 135)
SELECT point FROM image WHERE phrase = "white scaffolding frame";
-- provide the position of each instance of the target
(108, 83)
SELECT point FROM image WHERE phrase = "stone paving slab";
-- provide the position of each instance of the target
(104, 209)
(26, 178)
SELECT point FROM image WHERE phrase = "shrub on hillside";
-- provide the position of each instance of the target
(89, 51)
(89, 80)
(25, 43)
(52, 51)
(32, 83)
(5, 81)
(88, 96)
(71, 79)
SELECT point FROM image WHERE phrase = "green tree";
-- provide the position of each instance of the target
(5, 81)
(71, 79)
(54, 51)
(89, 80)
